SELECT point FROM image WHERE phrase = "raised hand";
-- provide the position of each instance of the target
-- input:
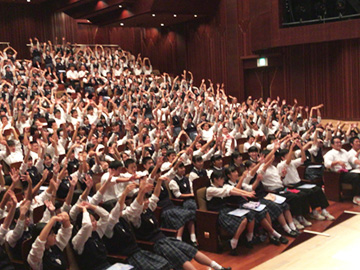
(15, 175)
(130, 188)
(89, 181)
(24, 207)
(73, 181)
(49, 205)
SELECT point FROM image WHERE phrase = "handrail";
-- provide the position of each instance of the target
(87, 45)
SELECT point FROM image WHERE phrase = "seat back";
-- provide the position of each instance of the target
(188, 168)
(207, 164)
(38, 213)
(201, 198)
(200, 182)
(226, 160)
(16, 165)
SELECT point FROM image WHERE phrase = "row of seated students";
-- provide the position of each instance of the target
(91, 230)
(144, 223)
(147, 129)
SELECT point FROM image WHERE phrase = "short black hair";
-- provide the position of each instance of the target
(115, 164)
(253, 149)
(282, 152)
(352, 139)
(235, 155)
(128, 162)
(248, 163)
(334, 138)
(197, 159)
(215, 158)
(229, 170)
(181, 165)
(216, 175)
(152, 168)
(146, 159)
(10, 143)
(170, 151)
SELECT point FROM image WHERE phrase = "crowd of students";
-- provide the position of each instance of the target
(71, 114)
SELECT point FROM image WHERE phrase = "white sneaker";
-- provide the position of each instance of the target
(316, 215)
(356, 200)
(327, 215)
(297, 224)
(304, 222)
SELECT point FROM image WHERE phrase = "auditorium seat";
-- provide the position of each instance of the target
(206, 224)
(334, 189)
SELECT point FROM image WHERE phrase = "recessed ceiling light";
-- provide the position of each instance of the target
(162, 24)
(28, 1)
(175, 15)
(195, 15)
(153, 15)
(121, 24)
(120, 6)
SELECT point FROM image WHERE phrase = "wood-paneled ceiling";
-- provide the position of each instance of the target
(130, 13)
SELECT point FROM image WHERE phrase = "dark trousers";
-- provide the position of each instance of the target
(299, 203)
(315, 195)
(353, 179)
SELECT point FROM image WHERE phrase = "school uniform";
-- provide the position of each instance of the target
(174, 251)
(238, 200)
(214, 169)
(16, 237)
(181, 185)
(215, 201)
(123, 242)
(88, 246)
(191, 130)
(195, 173)
(298, 202)
(315, 195)
(53, 258)
(274, 209)
(5, 263)
(120, 239)
(173, 217)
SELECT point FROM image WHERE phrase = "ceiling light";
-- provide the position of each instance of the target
(195, 15)
(162, 24)
(28, 1)
(121, 24)
(153, 15)
(175, 15)
(120, 6)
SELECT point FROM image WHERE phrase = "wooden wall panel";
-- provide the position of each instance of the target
(18, 22)
(323, 73)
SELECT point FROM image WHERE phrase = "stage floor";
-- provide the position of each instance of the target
(339, 250)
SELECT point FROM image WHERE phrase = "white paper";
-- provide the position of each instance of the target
(279, 199)
(260, 207)
(314, 166)
(238, 212)
(307, 186)
(120, 266)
